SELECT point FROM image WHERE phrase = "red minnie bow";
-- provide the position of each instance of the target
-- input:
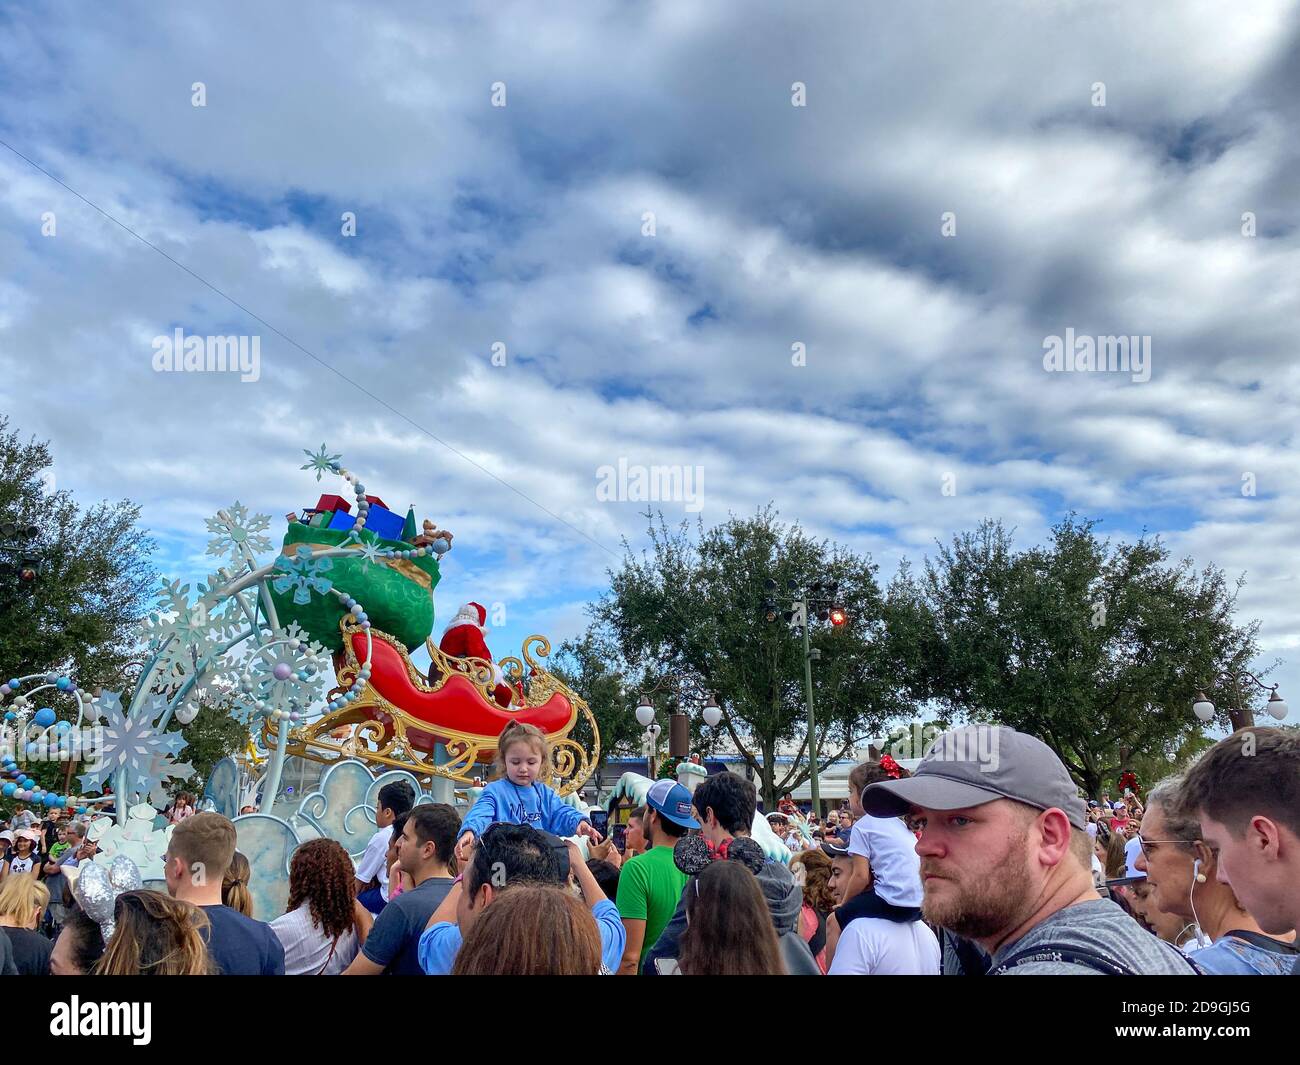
(891, 767)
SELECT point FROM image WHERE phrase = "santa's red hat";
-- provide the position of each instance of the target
(469, 614)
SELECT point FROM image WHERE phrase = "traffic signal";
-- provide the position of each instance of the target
(838, 617)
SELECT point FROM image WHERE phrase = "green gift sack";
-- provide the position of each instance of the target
(396, 593)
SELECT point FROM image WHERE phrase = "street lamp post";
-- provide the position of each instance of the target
(826, 598)
(812, 721)
(1240, 715)
(679, 726)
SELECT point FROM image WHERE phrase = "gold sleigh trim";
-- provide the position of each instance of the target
(386, 744)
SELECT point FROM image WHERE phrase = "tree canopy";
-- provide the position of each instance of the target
(95, 581)
(686, 610)
(78, 617)
(1095, 647)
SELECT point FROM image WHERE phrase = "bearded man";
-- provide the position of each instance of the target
(1005, 859)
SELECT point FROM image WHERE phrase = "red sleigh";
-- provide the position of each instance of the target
(446, 725)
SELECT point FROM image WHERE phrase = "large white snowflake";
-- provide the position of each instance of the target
(236, 530)
(224, 614)
(179, 632)
(133, 742)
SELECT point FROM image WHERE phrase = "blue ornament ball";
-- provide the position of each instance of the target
(8, 790)
(63, 726)
(44, 718)
(63, 684)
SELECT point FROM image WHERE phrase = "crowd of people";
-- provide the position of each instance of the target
(970, 866)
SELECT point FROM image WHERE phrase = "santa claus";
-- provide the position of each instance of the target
(464, 638)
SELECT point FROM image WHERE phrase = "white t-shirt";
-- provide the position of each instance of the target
(1131, 851)
(23, 865)
(874, 946)
(307, 948)
(890, 847)
(372, 862)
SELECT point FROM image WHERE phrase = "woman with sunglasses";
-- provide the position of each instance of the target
(1182, 873)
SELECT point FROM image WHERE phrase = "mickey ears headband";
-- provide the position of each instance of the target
(692, 854)
(97, 888)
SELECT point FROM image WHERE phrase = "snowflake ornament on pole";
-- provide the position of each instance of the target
(321, 461)
(131, 749)
(237, 533)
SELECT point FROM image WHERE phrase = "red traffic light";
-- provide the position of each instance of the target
(838, 617)
(29, 569)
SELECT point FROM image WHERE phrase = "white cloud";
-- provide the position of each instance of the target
(775, 225)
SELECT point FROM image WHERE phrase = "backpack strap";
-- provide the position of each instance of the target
(1068, 955)
(1079, 956)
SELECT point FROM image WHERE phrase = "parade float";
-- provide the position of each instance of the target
(312, 651)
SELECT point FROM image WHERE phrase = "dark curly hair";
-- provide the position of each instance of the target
(321, 874)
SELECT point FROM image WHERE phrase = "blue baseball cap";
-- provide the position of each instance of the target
(669, 799)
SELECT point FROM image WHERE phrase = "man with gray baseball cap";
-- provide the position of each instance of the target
(1005, 859)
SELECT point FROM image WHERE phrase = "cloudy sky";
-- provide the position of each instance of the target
(672, 199)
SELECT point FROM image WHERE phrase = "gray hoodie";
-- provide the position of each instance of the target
(784, 901)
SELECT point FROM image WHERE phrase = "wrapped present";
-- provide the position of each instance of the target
(379, 520)
(383, 522)
(328, 503)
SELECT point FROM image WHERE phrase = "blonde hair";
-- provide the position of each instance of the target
(520, 732)
(19, 896)
(234, 885)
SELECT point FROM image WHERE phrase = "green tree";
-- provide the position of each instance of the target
(686, 610)
(593, 669)
(95, 581)
(1096, 648)
(78, 617)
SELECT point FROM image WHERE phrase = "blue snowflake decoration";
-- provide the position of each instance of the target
(302, 573)
(133, 743)
(321, 461)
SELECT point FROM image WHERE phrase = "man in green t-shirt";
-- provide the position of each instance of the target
(650, 885)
